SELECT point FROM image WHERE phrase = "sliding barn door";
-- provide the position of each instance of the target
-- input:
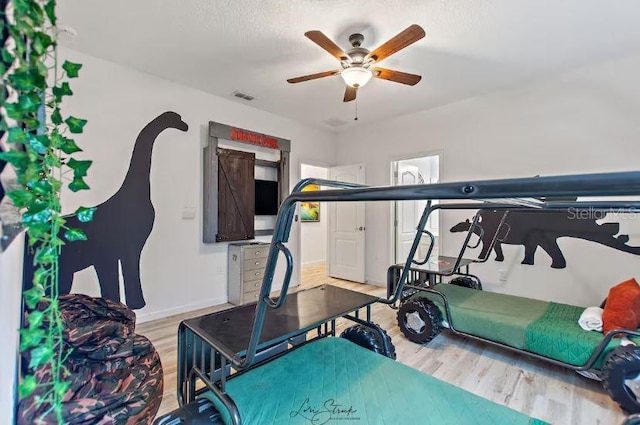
(236, 195)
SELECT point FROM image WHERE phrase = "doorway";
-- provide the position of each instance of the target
(313, 229)
(406, 214)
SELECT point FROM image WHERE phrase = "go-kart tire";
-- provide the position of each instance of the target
(621, 368)
(466, 282)
(366, 337)
(419, 320)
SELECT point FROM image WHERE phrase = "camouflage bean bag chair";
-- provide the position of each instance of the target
(116, 375)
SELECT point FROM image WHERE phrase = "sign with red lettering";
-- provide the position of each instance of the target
(254, 138)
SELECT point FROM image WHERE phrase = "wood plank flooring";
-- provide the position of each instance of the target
(538, 389)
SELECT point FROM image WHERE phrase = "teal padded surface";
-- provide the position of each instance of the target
(498, 317)
(558, 335)
(360, 387)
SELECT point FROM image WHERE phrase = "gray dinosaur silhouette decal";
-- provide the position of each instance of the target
(542, 229)
(120, 227)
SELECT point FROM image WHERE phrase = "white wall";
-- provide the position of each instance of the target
(10, 294)
(179, 272)
(313, 234)
(579, 122)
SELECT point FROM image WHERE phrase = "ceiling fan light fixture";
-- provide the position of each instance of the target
(356, 76)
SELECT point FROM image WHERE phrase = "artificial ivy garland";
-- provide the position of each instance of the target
(38, 133)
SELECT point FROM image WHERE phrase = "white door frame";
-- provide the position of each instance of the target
(297, 259)
(393, 159)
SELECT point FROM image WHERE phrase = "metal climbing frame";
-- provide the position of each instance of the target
(603, 185)
(424, 276)
(250, 351)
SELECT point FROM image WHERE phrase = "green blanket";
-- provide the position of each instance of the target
(333, 381)
(545, 328)
(498, 317)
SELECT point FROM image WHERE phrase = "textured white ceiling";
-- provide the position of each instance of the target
(472, 47)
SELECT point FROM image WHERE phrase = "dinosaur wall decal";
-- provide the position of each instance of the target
(120, 226)
(542, 229)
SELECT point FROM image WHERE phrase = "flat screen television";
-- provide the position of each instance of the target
(267, 201)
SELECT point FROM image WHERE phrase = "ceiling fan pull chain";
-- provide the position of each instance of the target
(356, 118)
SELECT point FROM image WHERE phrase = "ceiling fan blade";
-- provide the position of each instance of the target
(397, 76)
(399, 42)
(312, 76)
(323, 41)
(350, 94)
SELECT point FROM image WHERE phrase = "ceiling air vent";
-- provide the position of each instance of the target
(334, 122)
(241, 95)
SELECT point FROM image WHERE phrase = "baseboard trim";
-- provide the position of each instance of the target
(155, 315)
(375, 282)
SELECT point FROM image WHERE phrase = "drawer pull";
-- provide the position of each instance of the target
(257, 263)
(257, 273)
(256, 284)
(257, 253)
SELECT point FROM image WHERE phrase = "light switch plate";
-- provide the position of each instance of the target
(188, 213)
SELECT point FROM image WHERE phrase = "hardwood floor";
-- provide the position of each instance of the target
(541, 390)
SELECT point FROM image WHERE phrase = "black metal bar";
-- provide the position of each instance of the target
(419, 231)
(221, 395)
(600, 185)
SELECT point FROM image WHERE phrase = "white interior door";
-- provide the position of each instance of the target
(408, 215)
(347, 229)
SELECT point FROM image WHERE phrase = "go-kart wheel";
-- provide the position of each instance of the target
(366, 337)
(419, 320)
(621, 377)
(632, 420)
(466, 282)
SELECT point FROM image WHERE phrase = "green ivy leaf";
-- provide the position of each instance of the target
(56, 242)
(40, 276)
(30, 338)
(37, 231)
(40, 355)
(35, 318)
(63, 90)
(46, 255)
(85, 214)
(18, 159)
(40, 42)
(40, 187)
(53, 161)
(75, 124)
(78, 184)
(65, 144)
(61, 388)
(79, 167)
(16, 135)
(6, 56)
(27, 386)
(73, 235)
(21, 198)
(56, 116)
(43, 216)
(13, 111)
(21, 80)
(50, 10)
(71, 68)
(39, 143)
(29, 102)
(33, 296)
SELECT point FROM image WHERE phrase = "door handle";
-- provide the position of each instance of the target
(361, 228)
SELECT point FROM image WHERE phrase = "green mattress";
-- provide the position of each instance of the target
(541, 327)
(332, 380)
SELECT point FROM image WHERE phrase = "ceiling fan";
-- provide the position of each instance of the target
(358, 63)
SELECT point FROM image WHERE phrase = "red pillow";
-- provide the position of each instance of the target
(622, 309)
